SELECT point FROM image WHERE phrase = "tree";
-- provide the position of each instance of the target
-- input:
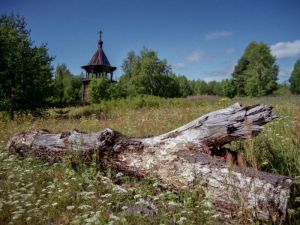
(25, 72)
(256, 71)
(147, 74)
(239, 77)
(67, 87)
(130, 65)
(228, 88)
(184, 86)
(117, 91)
(98, 90)
(199, 87)
(214, 88)
(295, 78)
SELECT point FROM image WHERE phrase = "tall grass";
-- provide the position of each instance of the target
(32, 192)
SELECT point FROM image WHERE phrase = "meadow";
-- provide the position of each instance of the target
(34, 192)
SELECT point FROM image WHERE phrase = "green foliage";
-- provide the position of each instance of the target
(184, 86)
(98, 90)
(239, 77)
(256, 71)
(147, 74)
(282, 89)
(67, 87)
(117, 91)
(25, 72)
(214, 88)
(199, 87)
(229, 90)
(295, 78)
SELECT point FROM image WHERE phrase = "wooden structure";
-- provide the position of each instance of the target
(98, 67)
(191, 156)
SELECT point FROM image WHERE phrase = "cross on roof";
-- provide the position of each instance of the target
(100, 34)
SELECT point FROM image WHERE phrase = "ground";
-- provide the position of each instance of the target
(33, 192)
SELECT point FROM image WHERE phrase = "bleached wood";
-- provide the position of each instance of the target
(188, 157)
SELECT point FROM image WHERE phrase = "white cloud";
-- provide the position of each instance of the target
(229, 51)
(286, 49)
(179, 65)
(217, 35)
(194, 57)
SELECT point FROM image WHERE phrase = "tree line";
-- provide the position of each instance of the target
(29, 84)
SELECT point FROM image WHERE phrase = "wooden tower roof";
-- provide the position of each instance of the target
(99, 62)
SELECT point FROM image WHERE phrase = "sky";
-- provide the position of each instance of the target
(201, 39)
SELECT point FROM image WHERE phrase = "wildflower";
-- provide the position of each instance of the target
(85, 207)
(155, 184)
(120, 174)
(156, 198)
(16, 216)
(217, 215)
(208, 204)
(54, 204)
(171, 203)
(28, 204)
(137, 196)
(106, 195)
(113, 217)
(181, 220)
(118, 189)
(70, 207)
(124, 207)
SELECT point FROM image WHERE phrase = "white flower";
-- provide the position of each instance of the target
(106, 195)
(124, 207)
(54, 204)
(16, 216)
(171, 203)
(113, 217)
(70, 207)
(85, 207)
(155, 198)
(118, 189)
(120, 174)
(181, 220)
(137, 196)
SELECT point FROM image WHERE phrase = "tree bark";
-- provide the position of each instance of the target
(191, 156)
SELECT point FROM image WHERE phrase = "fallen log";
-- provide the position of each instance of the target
(190, 156)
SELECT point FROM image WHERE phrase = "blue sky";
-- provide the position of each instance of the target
(200, 39)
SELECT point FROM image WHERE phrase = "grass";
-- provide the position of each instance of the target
(32, 192)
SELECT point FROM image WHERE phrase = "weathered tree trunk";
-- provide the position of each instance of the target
(190, 156)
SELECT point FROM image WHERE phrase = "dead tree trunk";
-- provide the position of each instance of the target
(190, 156)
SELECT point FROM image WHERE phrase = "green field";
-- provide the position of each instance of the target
(33, 192)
